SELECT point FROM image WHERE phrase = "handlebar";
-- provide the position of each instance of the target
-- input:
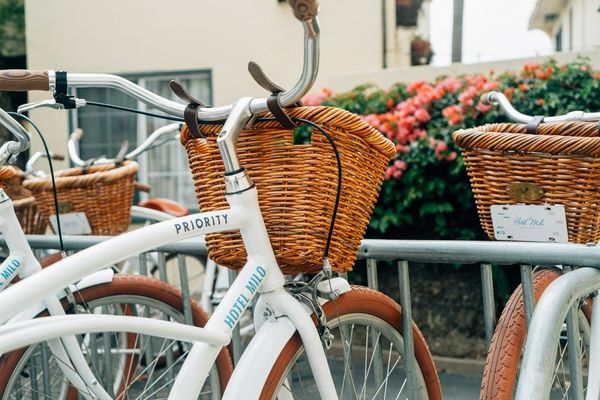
(29, 167)
(499, 99)
(73, 145)
(304, 10)
(10, 150)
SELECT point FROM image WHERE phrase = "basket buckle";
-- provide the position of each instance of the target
(524, 192)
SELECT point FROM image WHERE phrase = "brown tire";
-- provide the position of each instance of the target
(127, 291)
(360, 304)
(504, 356)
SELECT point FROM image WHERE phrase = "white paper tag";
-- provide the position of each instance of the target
(530, 223)
(72, 224)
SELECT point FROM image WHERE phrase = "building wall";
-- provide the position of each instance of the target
(580, 22)
(386, 78)
(132, 36)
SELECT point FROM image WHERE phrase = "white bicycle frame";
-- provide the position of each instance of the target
(260, 275)
(211, 269)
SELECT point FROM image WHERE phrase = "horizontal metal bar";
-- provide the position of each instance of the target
(427, 251)
(193, 246)
(470, 252)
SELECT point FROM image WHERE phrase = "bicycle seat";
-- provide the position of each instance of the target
(165, 205)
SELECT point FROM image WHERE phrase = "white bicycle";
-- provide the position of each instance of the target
(326, 339)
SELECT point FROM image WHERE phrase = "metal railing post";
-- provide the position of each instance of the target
(185, 289)
(528, 295)
(489, 307)
(378, 372)
(409, 350)
(574, 350)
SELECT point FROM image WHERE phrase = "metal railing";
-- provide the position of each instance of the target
(403, 252)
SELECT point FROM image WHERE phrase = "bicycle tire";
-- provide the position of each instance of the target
(504, 356)
(195, 269)
(375, 310)
(125, 291)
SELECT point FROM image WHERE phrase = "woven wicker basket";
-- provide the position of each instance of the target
(26, 208)
(563, 159)
(297, 186)
(104, 193)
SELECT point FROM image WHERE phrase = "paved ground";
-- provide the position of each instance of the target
(460, 386)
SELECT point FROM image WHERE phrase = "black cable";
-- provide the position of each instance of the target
(54, 190)
(133, 110)
(339, 185)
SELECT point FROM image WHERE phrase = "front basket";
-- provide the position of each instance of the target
(26, 207)
(103, 192)
(297, 186)
(563, 159)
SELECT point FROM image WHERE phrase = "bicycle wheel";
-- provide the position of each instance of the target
(127, 364)
(504, 356)
(366, 358)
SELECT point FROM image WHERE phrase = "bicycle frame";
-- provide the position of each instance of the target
(260, 275)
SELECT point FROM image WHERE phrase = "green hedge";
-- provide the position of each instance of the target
(426, 193)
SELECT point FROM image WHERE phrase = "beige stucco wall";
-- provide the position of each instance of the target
(155, 35)
(579, 20)
(385, 78)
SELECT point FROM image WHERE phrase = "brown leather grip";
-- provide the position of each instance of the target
(142, 187)
(304, 10)
(20, 80)
(58, 157)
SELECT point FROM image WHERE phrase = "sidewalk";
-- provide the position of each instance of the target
(460, 378)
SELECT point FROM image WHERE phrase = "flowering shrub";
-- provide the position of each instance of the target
(426, 193)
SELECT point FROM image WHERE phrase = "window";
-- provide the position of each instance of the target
(558, 40)
(164, 168)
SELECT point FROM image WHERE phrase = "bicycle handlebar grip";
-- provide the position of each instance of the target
(20, 80)
(58, 157)
(142, 187)
(77, 134)
(304, 10)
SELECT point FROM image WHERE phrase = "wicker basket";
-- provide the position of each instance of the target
(297, 186)
(563, 159)
(28, 213)
(104, 193)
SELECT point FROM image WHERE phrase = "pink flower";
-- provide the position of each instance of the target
(451, 156)
(422, 115)
(421, 133)
(483, 108)
(389, 172)
(453, 114)
(491, 85)
(327, 92)
(312, 99)
(401, 165)
(441, 147)
(413, 87)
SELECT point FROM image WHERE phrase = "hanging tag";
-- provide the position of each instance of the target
(72, 224)
(530, 223)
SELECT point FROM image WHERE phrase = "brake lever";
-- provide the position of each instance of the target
(50, 103)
